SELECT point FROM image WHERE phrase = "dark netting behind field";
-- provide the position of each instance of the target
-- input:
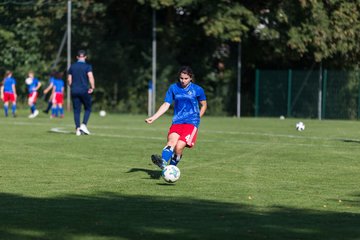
(341, 92)
(271, 93)
(296, 93)
(304, 94)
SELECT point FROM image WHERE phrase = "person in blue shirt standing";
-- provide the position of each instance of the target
(189, 106)
(33, 87)
(47, 90)
(8, 93)
(57, 109)
(82, 84)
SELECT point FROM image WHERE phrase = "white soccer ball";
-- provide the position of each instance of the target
(102, 113)
(300, 126)
(28, 81)
(171, 173)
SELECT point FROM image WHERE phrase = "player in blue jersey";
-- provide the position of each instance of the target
(47, 90)
(58, 96)
(189, 106)
(82, 84)
(8, 93)
(33, 86)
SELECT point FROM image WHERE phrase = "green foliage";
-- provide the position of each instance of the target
(118, 37)
(227, 22)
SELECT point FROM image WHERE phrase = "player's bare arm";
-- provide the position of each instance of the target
(69, 79)
(162, 109)
(203, 107)
(38, 86)
(14, 90)
(91, 81)
(48, 88)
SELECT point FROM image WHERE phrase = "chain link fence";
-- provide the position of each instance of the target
(323, 94)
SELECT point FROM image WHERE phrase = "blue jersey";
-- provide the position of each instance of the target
(32, 87)
(8, 83)
(186, 103)
(51, 80)
(58, 85)
(80, 80)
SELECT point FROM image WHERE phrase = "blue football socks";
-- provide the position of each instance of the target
(175, 159)
(13, 109)
(32, 108)
(167, 153)
(6, 110)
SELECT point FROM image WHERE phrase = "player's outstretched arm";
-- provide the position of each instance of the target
(162, 109)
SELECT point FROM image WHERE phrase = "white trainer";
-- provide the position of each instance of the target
(78, 132)
(84, 129)
(36, 112)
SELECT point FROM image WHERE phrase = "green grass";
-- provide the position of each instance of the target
(245, 179)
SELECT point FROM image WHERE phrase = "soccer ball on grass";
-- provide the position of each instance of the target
(171, 173)
(300, 126)
(102, 113)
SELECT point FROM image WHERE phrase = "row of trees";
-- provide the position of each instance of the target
(204, 34)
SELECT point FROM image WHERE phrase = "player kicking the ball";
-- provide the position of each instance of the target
(189, 106)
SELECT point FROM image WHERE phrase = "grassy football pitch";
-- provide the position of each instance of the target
(245, 179)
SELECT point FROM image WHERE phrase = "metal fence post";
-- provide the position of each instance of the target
(324, 94)
(257, 82)
(320, 91)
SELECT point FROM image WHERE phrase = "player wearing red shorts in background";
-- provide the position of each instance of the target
(57, 109)
(8, 93)
(187, 96)
(33, 87)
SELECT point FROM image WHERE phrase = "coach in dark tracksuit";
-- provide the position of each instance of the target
(82, 83)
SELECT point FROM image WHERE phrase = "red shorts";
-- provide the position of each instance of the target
(9, 97)
(58, 98)
(187, 132)
(32, 97)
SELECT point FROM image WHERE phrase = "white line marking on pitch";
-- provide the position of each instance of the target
(202, 131)
(61, 130)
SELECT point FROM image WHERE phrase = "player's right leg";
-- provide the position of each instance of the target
(86, 101)
(6, 108)
(76, 109)
(167, 151)
(157, 160)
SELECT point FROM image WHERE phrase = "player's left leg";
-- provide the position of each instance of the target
(179, 148)
(167, 151)
(186, 139)
(13, 108)
(61, 110)
(86, 100)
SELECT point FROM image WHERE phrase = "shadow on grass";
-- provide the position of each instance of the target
(133, 217)
(154, 174)
(350, 140)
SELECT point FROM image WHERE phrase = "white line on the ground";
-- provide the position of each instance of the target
(61, 130)
(202, 131)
